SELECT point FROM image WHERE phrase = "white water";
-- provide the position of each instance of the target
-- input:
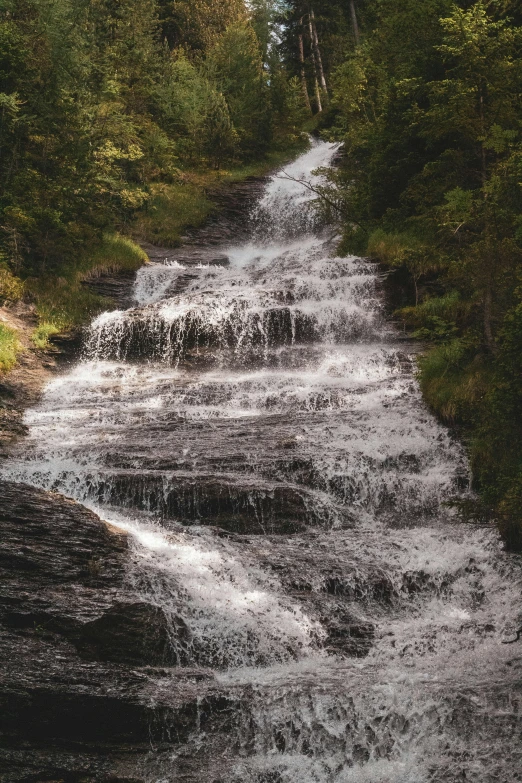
(270, 397)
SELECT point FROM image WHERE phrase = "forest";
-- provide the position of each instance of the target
(118, 117)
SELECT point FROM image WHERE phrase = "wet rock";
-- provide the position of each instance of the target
(53, 540)
(348, 634)
(134, 633)
(330, 566)
(290, 443)
(81, 697)
(115, 286)
(63, 716)
(60, 565)
(241, 508)
(148, 333)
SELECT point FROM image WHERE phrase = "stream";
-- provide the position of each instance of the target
(255, 425)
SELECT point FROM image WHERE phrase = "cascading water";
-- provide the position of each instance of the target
(255, 425)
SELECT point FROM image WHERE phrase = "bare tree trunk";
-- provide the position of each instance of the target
(317, 51)
(316, 80)
(354, 22)
(303, 75)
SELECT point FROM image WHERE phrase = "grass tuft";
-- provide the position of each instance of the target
(170, 210)
(42, 333)
(391, 249)
(450, 383)
(116, 253)
(9, 347)
(62, 302)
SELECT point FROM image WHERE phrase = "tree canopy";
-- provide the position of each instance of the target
(101, 98)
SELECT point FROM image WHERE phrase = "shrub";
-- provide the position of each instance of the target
(9, 347)
(11, 287)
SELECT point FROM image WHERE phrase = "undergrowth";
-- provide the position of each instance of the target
(171, 209)
(9, 347)
(174, 207)
(62, 302)
(11, 287)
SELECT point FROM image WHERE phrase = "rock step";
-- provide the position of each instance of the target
(147, 334)
(79, 698)
(233, 503)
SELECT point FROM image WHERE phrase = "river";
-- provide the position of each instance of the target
(254, 423)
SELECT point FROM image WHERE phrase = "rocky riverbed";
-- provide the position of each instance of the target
(259, 579)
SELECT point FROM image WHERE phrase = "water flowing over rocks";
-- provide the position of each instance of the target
(279, 591)
(67, 622)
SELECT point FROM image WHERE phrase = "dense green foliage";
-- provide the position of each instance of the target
(109, 107)
(429, 107)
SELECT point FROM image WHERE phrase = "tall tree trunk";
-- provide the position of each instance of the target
(354, 22)
(303, 74)
(316, 80)
(317, 52)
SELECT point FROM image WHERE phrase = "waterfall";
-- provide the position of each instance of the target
(255, 425)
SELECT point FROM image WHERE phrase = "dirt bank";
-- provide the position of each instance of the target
(21, 387)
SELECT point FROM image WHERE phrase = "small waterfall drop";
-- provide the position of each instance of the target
(255, 425)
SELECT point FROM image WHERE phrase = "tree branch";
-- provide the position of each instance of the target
(321, 194)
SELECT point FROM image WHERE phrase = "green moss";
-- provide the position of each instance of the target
(9, 347)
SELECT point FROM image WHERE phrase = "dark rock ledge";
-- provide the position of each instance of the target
(86, 683)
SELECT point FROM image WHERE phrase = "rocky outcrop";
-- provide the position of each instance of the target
(86, 676)
(133, 633)
(61, 565)
(89, 682)
(251, 507)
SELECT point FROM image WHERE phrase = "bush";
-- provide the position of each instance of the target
(171, 209)
(11, 287)
(9, 347)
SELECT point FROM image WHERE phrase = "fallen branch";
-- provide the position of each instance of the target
(320, 192)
